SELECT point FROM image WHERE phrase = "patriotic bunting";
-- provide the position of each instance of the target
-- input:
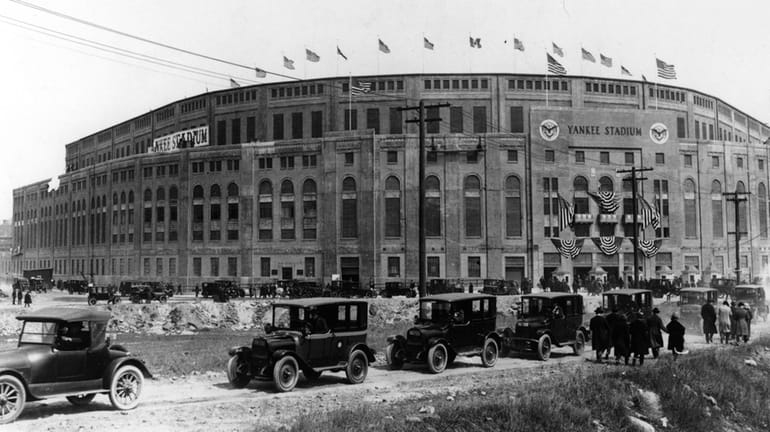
(566, 214)
(607, 202)
(609, 245)
(650, 248)
(568, 248)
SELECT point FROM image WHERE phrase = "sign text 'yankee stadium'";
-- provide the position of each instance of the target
(608, 130)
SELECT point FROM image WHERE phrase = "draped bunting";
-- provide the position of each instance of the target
(650, 248)
(609, 245)
(607, 202)
(568, 248)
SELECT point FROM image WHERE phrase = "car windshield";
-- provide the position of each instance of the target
(745, 292)
(533, 307)
(692, 298)
(38, 332)
(434, 311)
(288, 318)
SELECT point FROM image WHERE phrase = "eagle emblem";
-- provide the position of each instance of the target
(659, 133)
(549, 130)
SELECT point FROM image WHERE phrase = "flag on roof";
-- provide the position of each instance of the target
(518, 45)
(624, 71)
(555, 67)
(475, 42)
(426, 43)
(287, 63)
(587, 55)
(339, 53)
(384, 48)
(665, 70)
(233, 83)
(362, 88)
(260, 72)
(606, 61)
(557, 50)
(644, 78)
(311, 56)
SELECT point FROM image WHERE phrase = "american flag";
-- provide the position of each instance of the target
(311, 56)
(518, 45)
(606, 61)
(362, 88)
(339, 53)
(475, 42)
(650, 215)
(555, 67)
(384, 48)
(624, 71)
(587, 55)
(557, 50)
(261, 73)
(665, 70)
(566, 214)
(288, 63)
(426, 43)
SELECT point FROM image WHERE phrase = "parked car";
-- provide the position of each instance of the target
(65, 352)
(628, 301)
(108, 294)
(723, 285)
(690, 302)
(222, 287)
(498, 287)
(397, 289)
(448, 325)
(76, 286)
(314, 335)
(148, 293)
(442, 286)
(754, 296)
(660, 287)
(547, 319)
(349, 288)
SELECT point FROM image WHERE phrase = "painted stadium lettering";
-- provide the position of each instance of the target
(623, 130)
(185, 139)
(608, 130)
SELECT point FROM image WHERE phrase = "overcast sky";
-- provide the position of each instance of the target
(54, 92)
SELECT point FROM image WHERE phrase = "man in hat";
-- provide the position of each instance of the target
(640, 338)
(725, 316)
(619, 335)
(709, 316)
(675, 331)
(600, 334)
(655, 328)
(741, 317)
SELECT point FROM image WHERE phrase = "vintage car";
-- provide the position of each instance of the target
(393, 289)
(498, 287)
(314, 335)
(75, 286)
(349, 288)
(147, 294)
(690, 302)
(628, 301)
(222, 288)
(448, 325)
(64, 352)
(108, 294)
(754, 296)
(723, 285)
(661, 287)
(442, 286)
(544, 320)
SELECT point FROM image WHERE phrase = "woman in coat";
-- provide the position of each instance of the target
(655, 327)
(600, 334)
(640, 339)
(724, 316)
(675, 331)
(741, 324)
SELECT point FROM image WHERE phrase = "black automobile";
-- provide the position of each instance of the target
(313, 335)
(448, 325)
(690, 302)
(660, 287)
(725, 286)
(350, 288)
(108, 294)
(547, 319)
(75, 286)
(498, 287)
(754, 297)
(393, 289)
(222, 289)
(628, 301)
(64, 352)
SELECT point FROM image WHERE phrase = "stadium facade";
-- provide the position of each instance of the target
(302, 180)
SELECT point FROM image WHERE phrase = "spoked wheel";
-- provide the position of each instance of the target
(544, 347)
(12, 398)
(238, 372)
(285, 374)
(394, 356)
(437, 358)
(489, 353)
(82, 399)
(92, 301)
(580, 343)
(358, 367)
(126, 387)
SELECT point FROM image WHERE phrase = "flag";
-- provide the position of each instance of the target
(339, 53)
(555, 67)
(233, 83)
(624, 71)
(475, 42)
(311, 56)
(384, 48)
(427, 44)
(362, 88)
(587, 55)
(650, 215)
(287, 63)
(566, 214)
(568, 248)
(260, 72)
(518, 45)
(608, 245)
(557, 50)
(665, 70)
(644, 78)
(606, 61)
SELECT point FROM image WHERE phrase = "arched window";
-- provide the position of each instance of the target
(512, 207)
(349, 208)
(717, 212)
(147, 195)
(762, 198)
(173, 193)
(309, 210)
(198, 192)
(472, 197)
(287, 210)
(265, 210)
(115, 198)
(160, 194)
(130, 197)
(432, 206)
(392, 207)
(605, 184)
(215, 192)
(690, 210)
(742, 212)
(580, 186)
(215, 212)
(232, 190)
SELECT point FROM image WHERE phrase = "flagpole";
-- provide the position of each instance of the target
(655, 92)
(423, 53)
(350, 99)
(337, 59)
(378, 54)
(304, 65)
(546, 79)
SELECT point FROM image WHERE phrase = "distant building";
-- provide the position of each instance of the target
(303, 180)
(6, 244)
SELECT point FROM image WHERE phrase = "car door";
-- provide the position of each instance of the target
(465, 318)
(560, 327)
(70, 358)
(321, 344)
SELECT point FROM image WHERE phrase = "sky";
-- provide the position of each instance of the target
(53, 92)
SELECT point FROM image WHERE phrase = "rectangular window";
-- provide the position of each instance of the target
(309, 267)
(396, 123)
(580, 157)
(761, 164)
(474, 266)
(146, 266)
(681, 128)
(697, 129)
(221, 132)
(349, 158)
(158, 266)
(232, 266)
(287, 162)
(711, 132)
(550, 156)
(316, 124)
(277, 126)
(236, 134)
(373, 119)
(296, 125)
(517, 119)
(264, 267)
(629, 158)
(351, 120)
(432, 127)
(714, 161)
(604, 158)
(196, 266)
(309, 161)
(455, 119)
(392, 157)
(688, 161)
(479, 119)
(433, 266)
(513, 156)
(660, 158)
(214, 266)
(251, 129)
(394, 267)
(739, 162)
(471, 157)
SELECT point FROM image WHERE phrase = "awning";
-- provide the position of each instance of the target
(690, 269)
(597, 270)
(664, 270)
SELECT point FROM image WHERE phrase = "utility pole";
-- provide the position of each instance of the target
(421, 120)
(736, 198)
(634, 189)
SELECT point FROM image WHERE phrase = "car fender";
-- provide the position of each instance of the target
(437, 340)
(586, 333)
(21, 376)
(397, 340)
(239, 350)
(279, 354)
(109, 372)
(543, 331)
(494, 335)
(363, 347)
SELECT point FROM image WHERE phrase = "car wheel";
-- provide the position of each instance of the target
(126, 387)
(163, 299)
(117, 300)
(544, 347)
(237, 372)
(92, 301)
(285, 374)
(13, 396)
(81, 400)
(580, 343)
(394, 356)
(489, 353)
(357, 368)
(437, 358)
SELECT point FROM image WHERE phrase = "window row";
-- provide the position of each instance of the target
(613, 89)
(456, 84)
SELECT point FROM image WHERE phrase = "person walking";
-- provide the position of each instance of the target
(741, 324)
(724, 315)
(197, 290)
(600, 334)
(640, 339)
(19, 296)
(733, 322)
(27, 299)
(749, 317)
(619, 335)
(675, 331)
(655, 328)
(709, 316)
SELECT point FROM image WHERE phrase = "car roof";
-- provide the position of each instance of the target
(750, 286)
(697, 289)
(627, 291)
(551, 295)
(65, 314)
(450, 297)
(317, 301)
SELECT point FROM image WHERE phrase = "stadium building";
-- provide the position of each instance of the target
(304, 180)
